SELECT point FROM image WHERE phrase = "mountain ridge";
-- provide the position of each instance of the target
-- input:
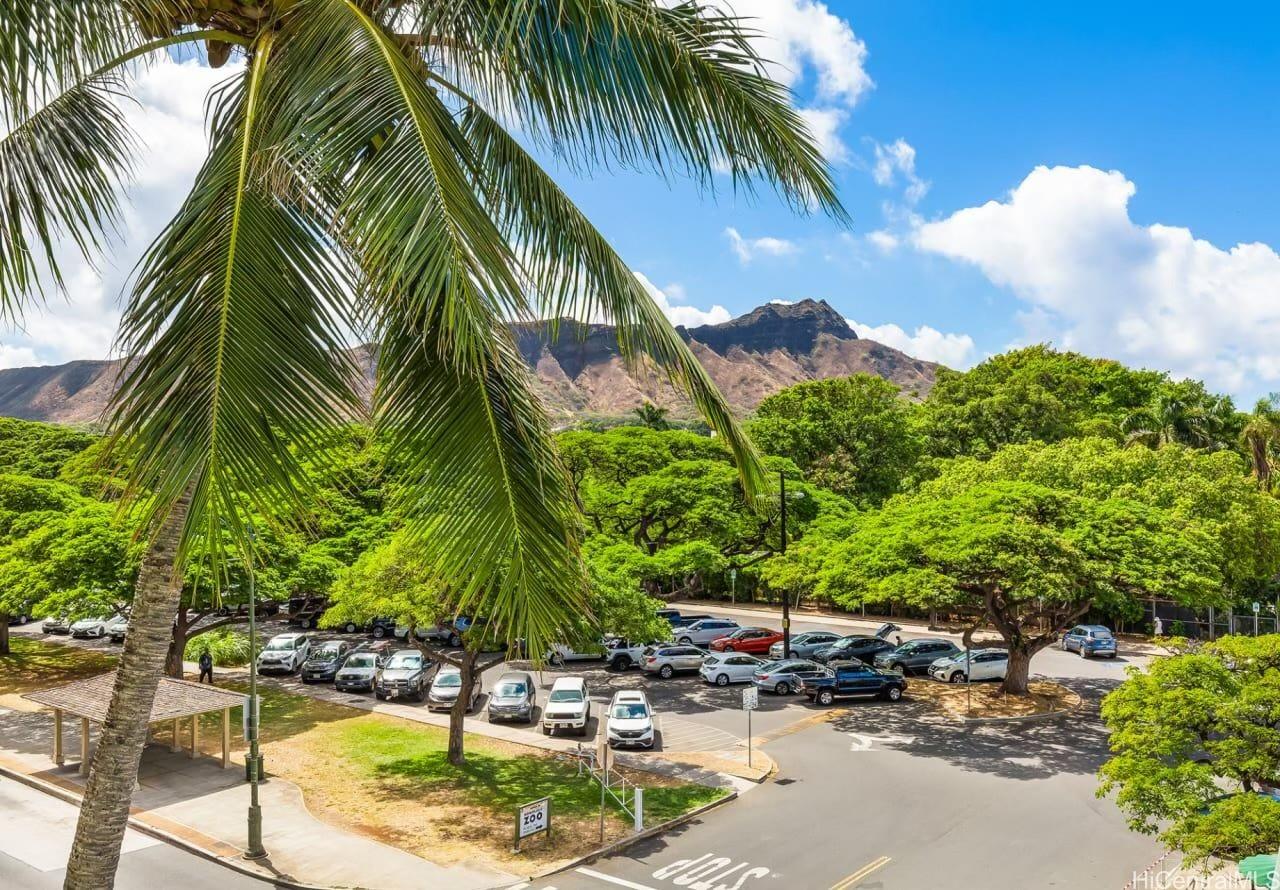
(579, 371)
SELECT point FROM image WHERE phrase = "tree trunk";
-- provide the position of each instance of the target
(104, 812)
(177, 645)
(1017, 679)
(458, 712)
(4, 633)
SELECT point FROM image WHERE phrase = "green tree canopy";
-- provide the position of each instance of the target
(1192, 736)
(852, 435)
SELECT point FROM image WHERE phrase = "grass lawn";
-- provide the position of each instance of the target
(36, 664)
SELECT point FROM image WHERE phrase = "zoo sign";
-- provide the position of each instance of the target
(533, 818)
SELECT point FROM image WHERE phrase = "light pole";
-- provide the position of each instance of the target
(786, 595)
(255, 850)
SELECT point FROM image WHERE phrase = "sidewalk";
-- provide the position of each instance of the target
(1131, 646)
(197, 805)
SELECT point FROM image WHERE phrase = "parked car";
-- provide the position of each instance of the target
(568, 706)
(446, 688)
(358, 672)
(704, 632)
(381, 628)
(21, 615)
(97, 628)
(118, 632)
(672, 615)
(403, 674)
(803, 645)
(731, 667)
(624, 654)
(755, 640)
(630, 720)
(686, 620)
(666, 661)
(853, 680)
(324, 662)
(513, 697)
(562, 652)
(915, 656)
(785, 676)
(857, 647)
(284, 653)
(981, 664)
(305, 611)
(1090, 639)
(59, 624)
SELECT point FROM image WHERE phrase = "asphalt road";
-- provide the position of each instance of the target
(884, 797)
(36, 831)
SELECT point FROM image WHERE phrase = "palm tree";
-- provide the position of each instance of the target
(1167, 420)
(1260, 439)
(362, 176)
(652, 416)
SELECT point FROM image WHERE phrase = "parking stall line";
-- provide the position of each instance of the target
(861, 874)
(621, 882)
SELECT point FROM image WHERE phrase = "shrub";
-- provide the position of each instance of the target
(229, 648)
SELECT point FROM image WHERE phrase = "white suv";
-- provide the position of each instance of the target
(630, 720)
(568, 706)
(284, 653)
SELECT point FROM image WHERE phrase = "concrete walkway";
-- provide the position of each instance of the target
(197, 804)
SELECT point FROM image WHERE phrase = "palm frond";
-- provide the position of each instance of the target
(678, 88)
(576, 273)
(489, 502)
(233, 329)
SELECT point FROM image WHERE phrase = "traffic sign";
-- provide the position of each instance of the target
(750, 698)
(1257, 607)
(533, 818)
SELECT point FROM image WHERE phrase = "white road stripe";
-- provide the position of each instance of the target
(621, 882)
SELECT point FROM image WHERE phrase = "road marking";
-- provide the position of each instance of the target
(861, 742)
(621, 882)
(865, 872)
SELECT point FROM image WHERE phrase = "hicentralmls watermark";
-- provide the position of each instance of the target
(1177, 879)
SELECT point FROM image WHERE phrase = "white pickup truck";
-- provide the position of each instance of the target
(623, 655)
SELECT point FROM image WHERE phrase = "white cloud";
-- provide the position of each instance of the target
(1155, 295)
(689, 316)
(169, 118)
(896, 162)
(783, 302)
(884, 241)
(747, 249)
(825, 124)
(952, 350)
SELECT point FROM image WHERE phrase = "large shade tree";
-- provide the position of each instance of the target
(362, 176)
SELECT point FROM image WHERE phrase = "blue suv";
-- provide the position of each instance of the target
(1089, 639)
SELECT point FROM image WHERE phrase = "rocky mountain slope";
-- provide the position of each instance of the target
(580, 371)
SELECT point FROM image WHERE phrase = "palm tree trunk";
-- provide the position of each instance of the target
(4, 633)
(104, 813)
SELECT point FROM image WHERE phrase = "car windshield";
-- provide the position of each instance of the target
(449, 680)
(278, 644)
(362, 660)
(629, 710)
(509, 688)
(566, 695)
(403, 660)
(326, 653)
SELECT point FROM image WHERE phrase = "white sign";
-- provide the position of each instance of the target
(1257, 607)
(244, 716)
(750, 698)
(534, 817)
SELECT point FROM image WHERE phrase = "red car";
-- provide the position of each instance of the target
(755, 640)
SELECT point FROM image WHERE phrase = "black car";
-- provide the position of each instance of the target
(857, 647)
(854, 680)
(382, 628)
(915, 656)
(324, 662)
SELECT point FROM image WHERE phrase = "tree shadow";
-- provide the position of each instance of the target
(1074, 743)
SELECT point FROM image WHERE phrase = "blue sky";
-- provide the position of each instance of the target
(1095, 175)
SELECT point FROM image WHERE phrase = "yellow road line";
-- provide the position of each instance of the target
(865, 872)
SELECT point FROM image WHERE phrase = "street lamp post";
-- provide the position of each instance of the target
(786, 594)
(255, 850)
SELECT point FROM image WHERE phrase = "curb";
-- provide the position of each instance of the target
(269, 878)
(624, 843)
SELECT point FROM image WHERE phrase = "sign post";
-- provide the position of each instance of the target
(532, 818)
(750, 701)
(1257, 607)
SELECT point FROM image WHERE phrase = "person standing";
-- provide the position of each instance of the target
(206, 666)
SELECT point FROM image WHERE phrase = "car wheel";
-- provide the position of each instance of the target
(957, 677)
(685, 641)
(794, 654)
(825, 697)
(455, 641)
(1083, 652)
(351, 627)
(722, 680)
(1063, 647)
(555, 659)
(899, 667)
(782, 689)
(665, 672)
(894, 693)
(379, 632)
(729, 648)
(546, 730)
(621, 663)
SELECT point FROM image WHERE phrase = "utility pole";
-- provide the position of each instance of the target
(255, 850)
(786, 594)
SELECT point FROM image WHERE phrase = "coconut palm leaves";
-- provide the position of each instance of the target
(1260, 440)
